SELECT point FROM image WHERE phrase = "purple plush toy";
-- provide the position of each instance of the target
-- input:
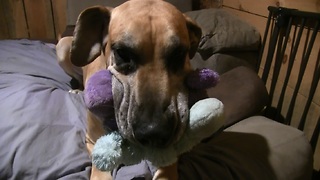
(99, 100)
(98, 97)
(111, 150)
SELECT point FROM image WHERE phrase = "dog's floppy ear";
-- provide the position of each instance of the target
(194, 35)
(90, 35)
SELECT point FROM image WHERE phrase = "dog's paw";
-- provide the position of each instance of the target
(75, 91)
(167, 173)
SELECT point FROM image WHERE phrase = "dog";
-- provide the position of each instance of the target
(147, 45)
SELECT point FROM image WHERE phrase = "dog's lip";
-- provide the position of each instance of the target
(117, 74)
(124, 117)
(177, 133)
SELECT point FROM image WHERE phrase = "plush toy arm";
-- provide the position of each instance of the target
(206, 117)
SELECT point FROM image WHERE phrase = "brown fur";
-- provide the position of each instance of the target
(149, 94)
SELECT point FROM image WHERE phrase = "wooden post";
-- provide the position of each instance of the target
(39, 19)
(59, 8)
(13, 21)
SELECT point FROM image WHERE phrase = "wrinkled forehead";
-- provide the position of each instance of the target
(141, 8)
(136, 21)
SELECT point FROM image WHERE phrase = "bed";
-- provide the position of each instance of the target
(42, 125)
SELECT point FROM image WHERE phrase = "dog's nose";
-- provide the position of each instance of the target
(155, 134)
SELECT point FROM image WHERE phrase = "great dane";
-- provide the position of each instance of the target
(146, 44)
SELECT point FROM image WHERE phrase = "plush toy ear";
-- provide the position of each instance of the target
(90, 35)
(195, 33)
(198, 81)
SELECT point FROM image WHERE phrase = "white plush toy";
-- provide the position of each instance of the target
(111, 150)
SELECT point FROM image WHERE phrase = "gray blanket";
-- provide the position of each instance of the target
(42, 126)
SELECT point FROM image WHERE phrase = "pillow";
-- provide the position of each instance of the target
(254, 148)
(242, 92)
(223, 32)
(222, 63)
(42, 126)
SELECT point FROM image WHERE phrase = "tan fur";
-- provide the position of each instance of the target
(151, 84)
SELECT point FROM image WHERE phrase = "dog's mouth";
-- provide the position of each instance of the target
(152, 121)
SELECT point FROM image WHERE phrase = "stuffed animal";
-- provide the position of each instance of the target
(111, 150)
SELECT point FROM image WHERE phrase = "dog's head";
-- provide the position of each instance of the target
(147, 46)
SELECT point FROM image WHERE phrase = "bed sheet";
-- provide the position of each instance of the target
(42, 125)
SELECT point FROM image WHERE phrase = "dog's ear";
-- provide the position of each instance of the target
(90, 35)
(194, 35)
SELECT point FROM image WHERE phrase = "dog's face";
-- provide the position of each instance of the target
(147, 46)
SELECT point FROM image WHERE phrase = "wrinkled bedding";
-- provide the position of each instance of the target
(42, 126)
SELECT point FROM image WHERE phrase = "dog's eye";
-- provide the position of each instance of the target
(122, 56)
(124, 60)
(176, 59)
